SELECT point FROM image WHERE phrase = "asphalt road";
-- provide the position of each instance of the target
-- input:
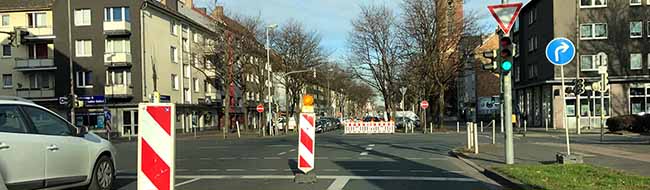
(390, 161)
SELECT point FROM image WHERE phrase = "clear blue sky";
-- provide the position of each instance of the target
(331, 18)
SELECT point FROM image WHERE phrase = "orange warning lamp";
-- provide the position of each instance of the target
(308, 103)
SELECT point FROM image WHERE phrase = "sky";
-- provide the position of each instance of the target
(330, 18)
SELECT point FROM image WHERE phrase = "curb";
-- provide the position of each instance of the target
(502, 179)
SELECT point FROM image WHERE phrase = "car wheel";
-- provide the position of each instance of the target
(103, 174)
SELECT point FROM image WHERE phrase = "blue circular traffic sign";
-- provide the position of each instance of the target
(560, 51)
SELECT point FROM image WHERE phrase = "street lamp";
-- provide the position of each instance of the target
(403, 91)
(269, 68)
(329, 93)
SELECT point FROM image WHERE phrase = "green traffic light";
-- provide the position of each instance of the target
(506, 66)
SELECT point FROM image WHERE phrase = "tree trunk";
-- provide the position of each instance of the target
(226, 126)
(441, 107)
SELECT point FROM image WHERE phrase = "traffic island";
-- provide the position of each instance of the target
(308, 178)
(564, 158)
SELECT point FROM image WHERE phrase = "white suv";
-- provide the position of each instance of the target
(41, 150)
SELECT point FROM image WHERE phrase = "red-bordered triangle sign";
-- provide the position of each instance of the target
(505, 15)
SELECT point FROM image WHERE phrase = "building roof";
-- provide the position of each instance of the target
(20, 5)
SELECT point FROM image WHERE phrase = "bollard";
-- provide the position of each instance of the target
(129, 132)
(481, 126)
(457, 127)
(494, 131)
(475, 140)
(469, 140)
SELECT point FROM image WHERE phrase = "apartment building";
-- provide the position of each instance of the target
(26, 64)
(477, 88)
(619, 29)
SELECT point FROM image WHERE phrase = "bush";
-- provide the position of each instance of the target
(621, 123)
(632, 123)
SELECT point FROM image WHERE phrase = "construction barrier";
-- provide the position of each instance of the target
(369, 127)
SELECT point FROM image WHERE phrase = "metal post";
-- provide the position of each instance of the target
(578, 105)
(469, 140)
(564, 118)
(475, 139)
(481, 126)
(494, 131)
(501, 103)
(73, 97)
(590, 104)
(457, 127)
(602, 107)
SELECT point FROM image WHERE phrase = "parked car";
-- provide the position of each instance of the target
(372, 119)
(401, 122)
(39, 149)
(335, 123)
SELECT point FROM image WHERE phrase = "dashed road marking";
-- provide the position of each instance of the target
(389, 170)
(364, 158)
(208, 170)
(187, 182)
(182, 170)
(414, 158)
(235, 170)
(267, 170)
(281, 153)
(420, 171)
(322, 158)
(250, 158)
(292, 150)
(205, 158)
(279, 145)
(371, 145)
(343, 158)
(331, 170)
(272, 158)
(363, 153)
(368, 148)
(358, 170)
(226, 158)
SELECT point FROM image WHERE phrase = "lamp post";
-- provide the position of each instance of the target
(269, 69)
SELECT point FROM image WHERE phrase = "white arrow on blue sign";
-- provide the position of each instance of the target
(560, 51)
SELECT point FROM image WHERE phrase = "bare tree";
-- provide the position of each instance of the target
(299, 49)
(433, 32)
(375, 51)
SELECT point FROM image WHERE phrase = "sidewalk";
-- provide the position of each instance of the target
(617, 152)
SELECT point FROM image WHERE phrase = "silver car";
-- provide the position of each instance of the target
(41, 150)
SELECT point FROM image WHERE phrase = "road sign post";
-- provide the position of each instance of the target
(561, 51)
(156, 146)
(424, 105)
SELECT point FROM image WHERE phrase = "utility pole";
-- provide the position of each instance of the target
(269, 68)
(578, 105)
(73, 97)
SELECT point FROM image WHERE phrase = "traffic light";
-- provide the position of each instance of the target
(579, 87)
(20, 35)
(492, 66)
(506, 53)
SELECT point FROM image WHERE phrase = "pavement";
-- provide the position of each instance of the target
(386, 161)
(627, 152)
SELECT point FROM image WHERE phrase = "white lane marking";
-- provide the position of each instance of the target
(414, 158)
(368, 148)
(250, 158)
(281, 153)
(371, 145)
(358, 170)
(279, 145)
(212, 147)
(267, 170)
(182, 170)
(292, 150)
(458, 172)
(235, 170)
(322, 158)
(363, 153)
(272, 158)
(420, 171)
(205, 158)
(389, 170)
(343, 158)
(226, 158)
(387, 158)
(181, 159)
(364, 158)
(410, 178)
(208, 170)
(331, 170)
(187, 182)
(338, 183)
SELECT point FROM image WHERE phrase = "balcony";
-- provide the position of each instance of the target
(34, 64)
(117, 28)
(35, 93)
(39, 33)
(118, 91)
(117, 59)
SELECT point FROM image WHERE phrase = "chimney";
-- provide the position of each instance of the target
(218, 11)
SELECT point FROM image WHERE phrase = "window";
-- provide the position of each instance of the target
(532, 17)
(593, 31)
(82, 17)
(636, 29)
(174, 54)
(118, 78)
(13, 120)
(5, 20)
(639, 100)
(588, 63)
(47, 123)
(196, 85)
(84, 48)
(186, 45)
(37, 51)
(6, 50)
(38, 81)
(635, 61)
(85, 79)
(116, 14)
(635, 2)
(7, 81)
(36, 20)
(118, 46)
(188, 95)
(174, 81)
(593, 3)
(173, 27)
(188, 71)
(197, 37)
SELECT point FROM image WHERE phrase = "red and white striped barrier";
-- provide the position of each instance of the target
(307, 142)
(369, 127)
(156, 149)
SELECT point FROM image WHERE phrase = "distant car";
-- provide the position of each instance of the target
(41, 150)
(335, 123)
(401, 122)
(372, 119)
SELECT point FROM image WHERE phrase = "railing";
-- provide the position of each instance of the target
(118, 90)
(117, 58)
(34, 63)
(117, 26)
(34, 93)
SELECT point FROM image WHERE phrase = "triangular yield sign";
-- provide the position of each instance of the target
(505, 15)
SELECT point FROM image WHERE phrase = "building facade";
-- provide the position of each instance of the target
(619, 29)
